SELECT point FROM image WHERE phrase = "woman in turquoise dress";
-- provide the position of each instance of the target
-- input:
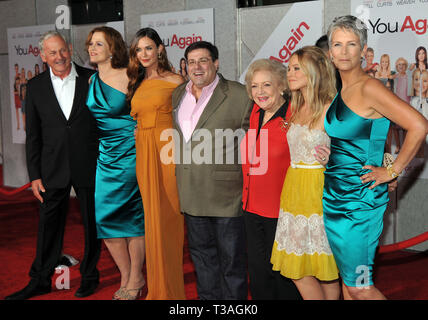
(355, 189)
(118, 206)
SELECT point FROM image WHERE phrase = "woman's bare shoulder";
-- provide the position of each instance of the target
(372, 86)
(173, 77)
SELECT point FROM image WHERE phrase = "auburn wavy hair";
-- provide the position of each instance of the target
(117, 46)
(321, 87)
(136, 72)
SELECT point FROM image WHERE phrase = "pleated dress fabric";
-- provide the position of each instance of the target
(152, 107)
(301, 247)
(119, 210)
(353, 213)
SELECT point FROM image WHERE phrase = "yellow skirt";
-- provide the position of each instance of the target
(301, 247)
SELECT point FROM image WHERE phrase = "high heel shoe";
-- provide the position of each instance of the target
(125, 294)
(119, 293)
(128, 296)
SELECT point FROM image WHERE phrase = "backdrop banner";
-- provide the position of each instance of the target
(397, 56)
(301, 26)
(179, 29)
(24, 63)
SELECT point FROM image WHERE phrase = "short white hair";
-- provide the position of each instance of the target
(48, 35)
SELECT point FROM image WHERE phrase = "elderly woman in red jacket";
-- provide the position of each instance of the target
(265, 159)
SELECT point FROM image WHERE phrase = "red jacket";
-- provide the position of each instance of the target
(264, 172)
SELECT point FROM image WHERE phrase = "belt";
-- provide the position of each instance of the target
(306, 166)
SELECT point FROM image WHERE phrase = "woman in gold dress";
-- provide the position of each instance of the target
(149, 94)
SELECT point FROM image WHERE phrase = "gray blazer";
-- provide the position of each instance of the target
(210, 181)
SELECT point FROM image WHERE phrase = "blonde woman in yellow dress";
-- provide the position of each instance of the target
(301, 250)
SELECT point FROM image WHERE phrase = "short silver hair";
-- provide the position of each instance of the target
(276, 68)
(48, 35)
(350, 23)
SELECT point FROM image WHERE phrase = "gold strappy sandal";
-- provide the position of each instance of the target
(126, 295)
(119, 293)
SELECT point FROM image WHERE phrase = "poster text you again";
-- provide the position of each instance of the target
(417, 26)
(297, 34)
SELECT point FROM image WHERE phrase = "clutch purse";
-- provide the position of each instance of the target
(388, 159)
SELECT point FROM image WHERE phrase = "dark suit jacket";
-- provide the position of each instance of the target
(213, 189)
(60, 151)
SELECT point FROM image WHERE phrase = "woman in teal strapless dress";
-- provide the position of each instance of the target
(118, 206)
(355, 189)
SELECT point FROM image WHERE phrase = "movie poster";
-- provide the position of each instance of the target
(301, 26)
(24, 64)
(397, 56)
(179, 29)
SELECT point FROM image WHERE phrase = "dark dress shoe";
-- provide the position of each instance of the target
(67, 261)
(86, 288)
(31, 290)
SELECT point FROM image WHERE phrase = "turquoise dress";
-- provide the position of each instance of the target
(118, 206)
(353, 214)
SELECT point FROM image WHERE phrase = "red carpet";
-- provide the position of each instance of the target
(18, 233)
(399, 275)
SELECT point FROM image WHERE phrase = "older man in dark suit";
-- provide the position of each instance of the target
(61, 149)
(216, 111)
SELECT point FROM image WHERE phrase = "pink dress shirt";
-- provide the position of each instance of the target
(190, 110)
(401, 88)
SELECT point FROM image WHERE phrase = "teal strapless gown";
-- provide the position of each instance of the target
(353, 214)
(119, 209)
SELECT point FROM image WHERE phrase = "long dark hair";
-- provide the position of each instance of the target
(416, 56)
(136, 72)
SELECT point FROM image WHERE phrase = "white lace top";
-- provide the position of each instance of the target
(302, 142)
(296, 233)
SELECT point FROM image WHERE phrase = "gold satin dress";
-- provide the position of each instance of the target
(164, 224)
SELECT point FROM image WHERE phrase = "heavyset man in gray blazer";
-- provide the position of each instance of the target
(209, 176)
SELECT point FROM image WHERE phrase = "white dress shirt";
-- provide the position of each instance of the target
(64, 90)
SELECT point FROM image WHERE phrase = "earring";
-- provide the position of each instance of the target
(111, 57)
(159, 55)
